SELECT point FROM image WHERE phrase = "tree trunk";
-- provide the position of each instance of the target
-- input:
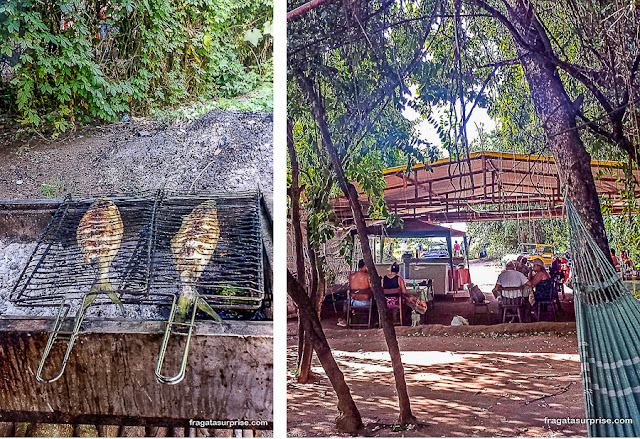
(405, 416)
(316, 295)
(558, 114)
(349, 419)
(305, 349)
(304, 372)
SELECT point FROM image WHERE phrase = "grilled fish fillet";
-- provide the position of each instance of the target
(99, 236)
(192, 248)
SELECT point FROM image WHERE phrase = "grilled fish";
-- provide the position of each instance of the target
(99, 236)
(192, 248)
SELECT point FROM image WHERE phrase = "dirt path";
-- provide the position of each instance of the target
(222, 150)
(462, 382)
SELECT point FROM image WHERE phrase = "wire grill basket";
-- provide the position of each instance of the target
(144, 271)
(142, 268)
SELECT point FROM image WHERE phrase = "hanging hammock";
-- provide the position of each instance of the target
(608, 326)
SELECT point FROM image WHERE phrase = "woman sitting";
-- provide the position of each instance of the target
(393, 281)
(538, 274)
(394, 287)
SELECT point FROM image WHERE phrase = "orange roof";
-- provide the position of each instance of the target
(487, 186)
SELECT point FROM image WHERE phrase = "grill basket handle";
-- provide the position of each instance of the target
(53, 336)
(169, 325)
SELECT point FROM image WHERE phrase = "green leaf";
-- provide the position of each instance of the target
(253, 36)
(268, 28)
(206, 41)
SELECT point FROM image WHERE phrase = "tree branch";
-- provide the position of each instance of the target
(349, 190)
(506, 62)
(505, 21)
(349, 419)
(301, 10)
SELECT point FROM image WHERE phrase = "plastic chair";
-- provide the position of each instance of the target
(543, 295)
(484, 305)
(353, 310)
(478, 305)
(512, 303)
(397, 307)
(558, 286)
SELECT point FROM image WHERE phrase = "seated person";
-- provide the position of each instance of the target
(394, 285)
(538, 274)
(614, 258)
(393, 280)
(521, 265)
(509, 278)
(555, 270)
(360, 286)
(626, 261)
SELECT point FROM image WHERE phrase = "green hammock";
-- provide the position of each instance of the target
(608, 326)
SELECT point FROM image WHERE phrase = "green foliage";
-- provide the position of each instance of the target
(623, 231)
(55, 187)
(351, 63)
(99, 59)
(503, 237)
(260, 99)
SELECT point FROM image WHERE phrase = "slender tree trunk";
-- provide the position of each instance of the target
(349, 419)
(405, 416)
(316, 295)
(304, 374)
(305, 349)
(558, 114)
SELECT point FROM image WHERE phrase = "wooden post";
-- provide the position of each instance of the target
(484, 175)
(493, 187)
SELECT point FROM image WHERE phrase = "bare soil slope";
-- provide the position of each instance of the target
(222, 150)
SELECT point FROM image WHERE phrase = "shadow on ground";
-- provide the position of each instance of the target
(461, 384)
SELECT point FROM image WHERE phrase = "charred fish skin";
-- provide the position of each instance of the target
(192, 248)
(99, 236)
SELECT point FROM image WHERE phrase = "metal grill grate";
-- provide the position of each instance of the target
(57, 270)
(143, 271)
(233, 277)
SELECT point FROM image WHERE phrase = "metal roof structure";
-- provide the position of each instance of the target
(486, 186)
(414, 228)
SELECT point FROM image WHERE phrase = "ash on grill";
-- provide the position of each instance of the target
(68, 267)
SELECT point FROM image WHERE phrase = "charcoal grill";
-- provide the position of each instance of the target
(143, 271)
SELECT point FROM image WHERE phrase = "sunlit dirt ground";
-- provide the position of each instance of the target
(498, 380)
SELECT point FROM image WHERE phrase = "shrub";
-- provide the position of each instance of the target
(84, 59)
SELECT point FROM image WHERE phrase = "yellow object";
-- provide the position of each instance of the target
(99, 236)
(542, 251)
